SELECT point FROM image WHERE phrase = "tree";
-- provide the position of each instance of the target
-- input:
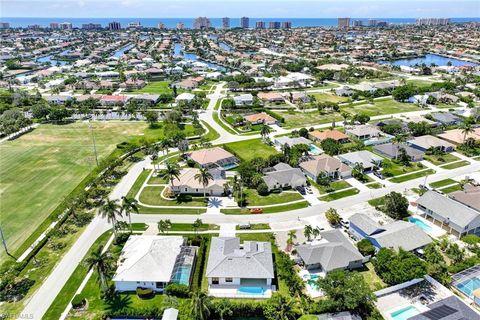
(347, 291)
(365, 247)
(455, 253)
(308, 231)
(200, 306)
(323, 179)
(129, 205)
(224, 308)
(197, 225)
(396, 205)
(402, 93)
(331, 146)
(395, 268)
(357, 171)
(332, 216)
(264, 131)
(203, 176)
(110, 210)
(292, 235)
(467, 129)
(262, 189)
(403, 157)
(164, 225)
(151, 117)
(102, 263)
(171, 172)
(279, 307)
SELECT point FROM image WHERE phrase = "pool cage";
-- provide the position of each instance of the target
(184, 264)
(467, 281)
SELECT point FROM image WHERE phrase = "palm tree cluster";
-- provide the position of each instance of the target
(309, 232)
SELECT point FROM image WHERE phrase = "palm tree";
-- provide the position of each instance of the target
(397, 140)
(466, 130)
(203, 176)
(200, 306)
(102, 263)
(345, 116)
(129, 205)
(110, 210)
(171, 171)
(307, 232)
(164, 225)
(197, 224)
(292, 234)
(265, 131)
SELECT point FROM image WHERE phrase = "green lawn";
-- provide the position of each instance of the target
(371, 278)
(157, 87)
(456, 187)
(339, 195)
(377, 202)
(155, 179)
(375, 185)
(441, 159)
(442, 183)
(380, 107)
(148, 210)
(178, 227)
(287, 207)
(391, 168)
(249, 149)
(333, 186)
(254, 199)
(412, 176)
(455, 165)
(421, 83)
(39, 169)
(322, 97)
(295, 119)
(137, 185)
(151, 196)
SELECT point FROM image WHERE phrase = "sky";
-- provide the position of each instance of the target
(237, 8)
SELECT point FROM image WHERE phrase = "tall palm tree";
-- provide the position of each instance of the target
(292, 234)
(110, 210)
(164, 225)
(203, 176)
(200, 306)
(171, 171)
(102, 263)
(265, 131)
(307, 232)
(129, 205)
(397, 140)
(466, 130)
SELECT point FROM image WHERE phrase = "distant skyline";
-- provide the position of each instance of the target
(238, 8)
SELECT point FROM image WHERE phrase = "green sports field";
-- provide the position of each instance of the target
(39, 169)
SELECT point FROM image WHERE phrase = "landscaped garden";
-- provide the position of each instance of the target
(152, 195)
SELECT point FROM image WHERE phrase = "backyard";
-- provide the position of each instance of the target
(244, 149)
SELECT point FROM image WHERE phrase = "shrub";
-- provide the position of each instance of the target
(15, 290)
(177, 290)
(262, 189)
(366, 248)
(144, 293)
(78, 301)
(121, 238)
(190, 163)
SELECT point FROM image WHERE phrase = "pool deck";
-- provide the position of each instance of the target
(435, 231)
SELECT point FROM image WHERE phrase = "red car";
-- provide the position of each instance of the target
(256, 210)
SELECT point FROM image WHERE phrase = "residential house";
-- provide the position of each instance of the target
(456, 136)
(445, 118)
(185, 97)
(259, 118)
(469, 196)
(324, 163)
(363, 132)
(59, 99)
(423, 143)
(366, 158)
(152, 262)
(299, 97)
(328, 134)
(108, 100)
(394, 235)
(187, 84)
(243, 100)
(188, 184)
(215, 157)
(343, 92)
(332, 252)
(132, 84)
(449, 214)
(237, 270)
(271, 97)
(283, 176)
(344, 315)
(391, 151)
(450, 308)
(281, 141)
(147, 98)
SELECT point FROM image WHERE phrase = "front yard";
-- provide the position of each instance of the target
(339, 195)
(441, 159)
(254, 199)
(151, 195)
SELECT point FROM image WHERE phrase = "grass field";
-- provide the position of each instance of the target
(455, 165)
(157, 87)
(295, 119)
(39, 169)
(287, 207)
(442, 183)
(412, 176)
(381, 107)
(339, 195)
(254, 199)
(151, 196)
(323, 97)
(441, 159)
(249, 149)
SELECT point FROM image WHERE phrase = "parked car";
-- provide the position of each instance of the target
(309, 190)
(245, 226)
(301, 190)
(378, 174)
(256, 210)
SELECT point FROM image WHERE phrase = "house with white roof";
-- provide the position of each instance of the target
(366, 158)
(188, 184)
(152, 262)
(185, 96)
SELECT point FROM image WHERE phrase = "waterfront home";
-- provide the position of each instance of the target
(215, 157)
(238, 270)
(394, 235)
(328, 134)
(392, 151)
(423, 143)
(243, 99)
(366, 158)
(333, 251)
(258, 118)
(449, 214)
(152, 262)
(283, 176)
(445, 118)
(187, 183)
(456, 136)
(324, 163)
(281, 141)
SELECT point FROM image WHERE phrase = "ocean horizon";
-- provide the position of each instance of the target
(17, 22)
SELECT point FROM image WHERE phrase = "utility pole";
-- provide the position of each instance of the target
(4, 242)
(93, 140)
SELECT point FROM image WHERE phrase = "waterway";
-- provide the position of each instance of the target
(121, 51)
(178, 51)
(428, 60)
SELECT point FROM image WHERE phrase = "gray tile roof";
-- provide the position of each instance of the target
(402, 234)
(227, 259)
(365, 223)
(448, 209)
(392, 150)
(284, 175)
(451, 308)
(334, 251)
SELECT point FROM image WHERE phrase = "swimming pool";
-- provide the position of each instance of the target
(251, 290)
(182, 275)
(425, 227)
(311, 280)
(469, 286)
(405, 313)
(313, 149)
(229, 166)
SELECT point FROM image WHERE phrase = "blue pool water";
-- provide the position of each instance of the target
(313, 149)
(230, 166)
(425, 227)
(251, 290)
(405, 313)
(182, 276)
(469, 286)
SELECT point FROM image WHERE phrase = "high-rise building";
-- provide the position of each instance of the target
(226, 23)
(202, 23)
(65, 26)
(54, 25)
(382, 23)
(274, 25)
(161, 25)
(4, 25)
(34, 26)
(343, 23)
(114, 25)
(245, 22)
(358, 23)
(372, 23)
(286, 25)
(260, 25)
(433, 21)
(135, 25)
(180, 26)
(91, 26)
